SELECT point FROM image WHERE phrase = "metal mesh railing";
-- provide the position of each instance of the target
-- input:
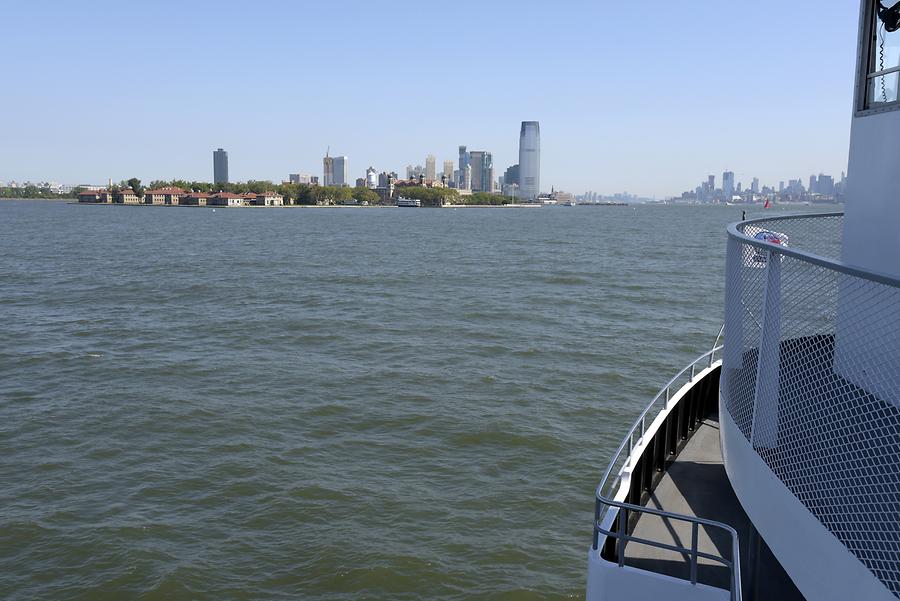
(811, 377)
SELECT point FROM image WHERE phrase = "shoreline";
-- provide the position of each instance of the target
(72, 201)
(106, 204)
(66, 200)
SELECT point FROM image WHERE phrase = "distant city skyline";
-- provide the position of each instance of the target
(615, 113)
(336, 172)
(821, 184)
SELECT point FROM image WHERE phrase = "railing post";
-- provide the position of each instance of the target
(693, 365)
(732, 355)
(764, 421)
(736, 591)
(623, 520)
(694, 528)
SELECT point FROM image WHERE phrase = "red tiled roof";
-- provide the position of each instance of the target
(198, 195)
(166, 191)
(227, 195)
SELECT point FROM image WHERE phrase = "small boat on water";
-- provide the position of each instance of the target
(409, 202)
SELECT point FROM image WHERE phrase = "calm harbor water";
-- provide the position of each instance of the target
(329, 403)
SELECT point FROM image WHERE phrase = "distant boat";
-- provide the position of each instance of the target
(409, 202)
(767, 205)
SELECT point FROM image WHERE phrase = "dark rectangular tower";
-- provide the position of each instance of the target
(220, 167)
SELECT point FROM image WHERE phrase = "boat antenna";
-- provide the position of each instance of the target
(881, 35)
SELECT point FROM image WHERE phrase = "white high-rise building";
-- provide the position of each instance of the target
(482, 171)
(371, 178)
(430, 172)
(530, 160)
(302, 178)
(448, 171)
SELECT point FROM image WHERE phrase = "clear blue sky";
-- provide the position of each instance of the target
(647, 97)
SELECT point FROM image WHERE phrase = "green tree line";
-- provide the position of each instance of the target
(435, 197)
(303, 194)
(297, 193)
(32, 191)
(486, 198)
(430, 197)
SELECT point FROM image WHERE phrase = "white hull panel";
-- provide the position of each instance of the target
(608, 582)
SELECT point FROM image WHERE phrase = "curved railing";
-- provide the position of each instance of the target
(811, 376)
(612, 515)
(606, 485)
(737, 231)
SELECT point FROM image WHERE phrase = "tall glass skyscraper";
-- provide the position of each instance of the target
(336, 171)
(728, 185)
(462, 181)
(482, 165)
(530, 160)
(341, 171)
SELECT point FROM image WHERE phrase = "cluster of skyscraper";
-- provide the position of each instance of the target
(475, 172)
(522, 180)
(707, 190)
(337, 171)
(823, 184)
(821, 187)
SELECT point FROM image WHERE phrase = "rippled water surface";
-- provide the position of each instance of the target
(329, 403)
